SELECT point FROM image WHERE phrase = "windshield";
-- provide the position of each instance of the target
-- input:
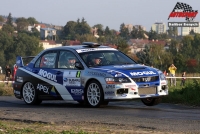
(105, 58)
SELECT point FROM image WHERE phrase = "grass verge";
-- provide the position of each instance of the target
(188, 94)
(13, 127)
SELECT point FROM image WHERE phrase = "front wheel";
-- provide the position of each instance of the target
(30, 95)
(94, 94)
(151, 101)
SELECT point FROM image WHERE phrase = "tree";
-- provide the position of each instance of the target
(8, 29)
(86, 38)
(100, 30)
(173, 31)
(1, 19)
(192, 32)
(123, 46)
(152, 35)
(124, 32)
(82, 27)
(69, 30)
(107, 31)
(32, 21)
(138, 33)
(9, 20)
(22, 24)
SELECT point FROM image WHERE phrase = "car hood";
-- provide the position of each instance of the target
(132, 70)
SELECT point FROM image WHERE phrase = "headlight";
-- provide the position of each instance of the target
(117, 80)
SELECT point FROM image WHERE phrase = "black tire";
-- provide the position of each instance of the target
(151, 101)
(105, 103)
(81, 102)
(94, 94)
(29, 94)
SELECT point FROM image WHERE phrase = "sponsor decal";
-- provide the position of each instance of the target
(97, 74)
(70, 74)
(109, 92)
(53, 91)
(77, 91)
(142, 73)
(118, 86)
(163, 83)
(94, 49)
(130, 86)
(49, 61)
(124, 66)
(19, 79)
(43, 88)
(71, 81)
(118, 75)
(17, 92)
(124, 95)
(78, 74)
(110, 86)
(47, 75)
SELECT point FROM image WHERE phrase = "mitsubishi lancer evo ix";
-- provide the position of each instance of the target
(90, 74)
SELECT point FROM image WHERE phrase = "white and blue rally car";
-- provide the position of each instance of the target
(117, 77)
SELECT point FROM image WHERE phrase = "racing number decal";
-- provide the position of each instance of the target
(78, 74)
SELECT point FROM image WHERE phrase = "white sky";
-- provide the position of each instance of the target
(111, 13)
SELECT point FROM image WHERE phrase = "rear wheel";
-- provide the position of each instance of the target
(94, 94)
(30, 95)
(151, 101)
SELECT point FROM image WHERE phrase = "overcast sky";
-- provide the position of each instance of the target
(111, 13)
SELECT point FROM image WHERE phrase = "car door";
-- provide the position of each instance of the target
(46, 73)
(71, 77)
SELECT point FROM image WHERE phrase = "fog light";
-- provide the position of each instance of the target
(163, 87)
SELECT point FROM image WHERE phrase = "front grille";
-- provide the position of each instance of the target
(147, 90)
(146, 79)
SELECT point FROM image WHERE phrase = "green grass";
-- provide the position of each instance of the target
(6, 89)
(188, 94)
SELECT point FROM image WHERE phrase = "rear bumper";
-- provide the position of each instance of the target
(17, 89)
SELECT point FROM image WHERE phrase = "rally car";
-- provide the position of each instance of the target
(116, 77)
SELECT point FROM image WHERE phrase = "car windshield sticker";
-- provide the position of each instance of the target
(93, 49)
(142, 73)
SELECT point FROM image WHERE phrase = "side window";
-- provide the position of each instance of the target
(47, 60)
(67, 60)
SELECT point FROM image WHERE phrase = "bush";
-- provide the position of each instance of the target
(6, 89)
(189, 94)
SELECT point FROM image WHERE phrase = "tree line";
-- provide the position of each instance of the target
(184, 53)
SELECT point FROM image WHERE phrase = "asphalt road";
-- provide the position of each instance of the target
(129, 115)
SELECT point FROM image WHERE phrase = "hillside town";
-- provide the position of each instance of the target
(131, 39)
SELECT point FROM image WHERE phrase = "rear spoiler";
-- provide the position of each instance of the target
(19, 60)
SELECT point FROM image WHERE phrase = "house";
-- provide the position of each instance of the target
(47, 33)
(137, 45)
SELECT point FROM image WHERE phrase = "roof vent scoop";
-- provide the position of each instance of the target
(91, 44)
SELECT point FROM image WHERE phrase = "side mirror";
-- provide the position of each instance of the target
(78, 65)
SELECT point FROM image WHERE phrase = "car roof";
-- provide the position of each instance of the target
(86, 45)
